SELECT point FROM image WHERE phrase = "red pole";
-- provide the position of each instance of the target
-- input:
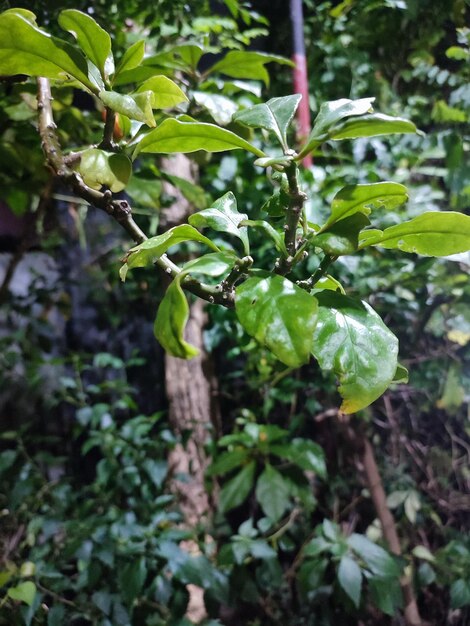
(300, 73)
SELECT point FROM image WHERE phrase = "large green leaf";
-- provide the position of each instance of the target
(136, 106)
(342, 237)
(92, 39)
(131, 58)
(371, 126)
(236, 490)
(432, 234)
(279, 315)
(223, 216)
(380, 562)
(272, 492)
(350, 578)
(98, 168)
(363, 198)
(352, 340)
(26, 49)
(248, 65)
(274, 115)
(176, 136)
(172, 316)
(166, 93)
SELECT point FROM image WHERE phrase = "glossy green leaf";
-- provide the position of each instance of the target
(431, 234)
(223, 216)
(28, 15)
(274, 115)
(213, 264)
(329, 115)
(280, 315)
(380, 562)
(236, 490)
(98, 168)
(136, 106)
(247, 65)
(350, 578)
(271, 232)
(272, 492)
(371, 126)
(363, 198)
(171, 320)
(176, 136)
(342, 237)
(131, 58)
(166, 93)
(26, 49)
(220, 107)
(23, 592)
(92, 39)
(306, 454)
(328, 282)
(352, 340)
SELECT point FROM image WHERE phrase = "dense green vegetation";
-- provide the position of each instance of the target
(94, 523)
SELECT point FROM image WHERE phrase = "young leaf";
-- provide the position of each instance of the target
(137, 106)
(351, 339)
(363, 198)
(175, 136)
(131, 58)
(247, 65)
(380, 562)
(26, 49)
(172, 316)
(272, 492)
(92, 39)
(223, 216)
(372, 126)
(275, 116)
(279, 315)
(236, 490)
(23, 592)
(342, 237)
(431, 234)
(166, 93)
(350, 578)
(98, 168)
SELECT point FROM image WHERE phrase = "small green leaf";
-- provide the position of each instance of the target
(328, 282)
(350, 578)
(386, 595)
(166, 93)
(98, 168)
(279, 315)
(136, 106)
(236, 490)
(460, 593)
(275, 116)
(341, 237)
(306, 454)
(214, 264)
(92, 39)
(23, 592)
(131, 579)
(176, 136)
(271, 232)
(363, 198)
(172, 316)
(26, 49)
(421, 552)
(380, 562)
(220, 107)
(227, 461)
(401, 374)
(432, 234)
(352, 340)
(272, 492)
(131, 58)
(371, 126)
(223, 216)
(247, 65)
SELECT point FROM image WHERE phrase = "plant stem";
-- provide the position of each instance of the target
(321, 270)
(293, 214)
(107, 142)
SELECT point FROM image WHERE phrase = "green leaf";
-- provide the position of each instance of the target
(380, 562)
(227, 461)
(175, 136)
(236, 490)
(26, 49)
(92, 39)
(195, 194)
(350, 578)
(223, 216)
(328, 282)
(172, 316)
(363, 198)
(279, 315)
(275, 116)
(98, 168)
(214, 264)
(220, 107)
(386, 595)
(23, 592)
(401, 374)
(352, 340)
(247, 65)
(136, 106)
(131, 58)
(432, 234)
(460, 593)
(166, 93)
(330, 114)
(371, 126)
(28, 15)
(342, 237)
(307, 455)
(272, 492)
(131, 579)
(271, 232)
